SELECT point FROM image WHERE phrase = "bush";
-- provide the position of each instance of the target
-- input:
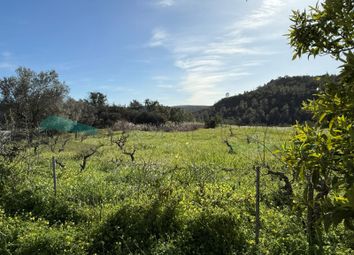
(212, 122)
(157, 229)
(135, 228)
(45, 240)
(18, 236)
(212, 233)
(54, 209)
(149, 118)
(7, 234)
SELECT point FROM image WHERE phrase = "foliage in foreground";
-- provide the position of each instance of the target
(321, 155)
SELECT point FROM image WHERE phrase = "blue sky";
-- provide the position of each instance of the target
(174, 51)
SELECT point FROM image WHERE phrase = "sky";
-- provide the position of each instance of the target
(178, 52)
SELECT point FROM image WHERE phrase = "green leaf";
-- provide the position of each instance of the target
(323, 115)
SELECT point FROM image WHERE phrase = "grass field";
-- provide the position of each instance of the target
(184, 193)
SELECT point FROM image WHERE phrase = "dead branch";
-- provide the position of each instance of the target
(131, 154)
(231, 149)
(121, 141)
(54, 143)
(86, 155)
(62, 148)
(59, 163)
(287, 187)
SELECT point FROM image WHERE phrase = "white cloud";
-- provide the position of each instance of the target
(213, 61)
(158, 38)
(166, 3)
(199, 64)
(263, 15)
(252, 63)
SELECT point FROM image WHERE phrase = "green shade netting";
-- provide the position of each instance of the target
(82, 128)
(63, 125)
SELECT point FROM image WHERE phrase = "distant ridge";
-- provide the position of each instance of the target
(276, 103)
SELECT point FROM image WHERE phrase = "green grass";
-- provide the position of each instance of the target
(184, 194)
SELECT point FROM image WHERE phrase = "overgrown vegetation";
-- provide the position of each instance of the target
(184, 193)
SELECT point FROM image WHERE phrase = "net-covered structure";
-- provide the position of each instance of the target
(82, 128)
(64, 125)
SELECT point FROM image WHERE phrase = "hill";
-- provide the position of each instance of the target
(276, 103)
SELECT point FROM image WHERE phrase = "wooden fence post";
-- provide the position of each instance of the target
(258, 224)
(54, 175)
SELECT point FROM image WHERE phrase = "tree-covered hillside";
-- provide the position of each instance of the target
(276, 103)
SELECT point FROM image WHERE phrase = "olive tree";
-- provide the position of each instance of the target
(29, 97)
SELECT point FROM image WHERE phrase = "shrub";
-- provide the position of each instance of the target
(39, 238)
(7, 234)
(212, 121)
(26, 237)
(149, 118)
(212, 233)
(54, 209)
(135, 228)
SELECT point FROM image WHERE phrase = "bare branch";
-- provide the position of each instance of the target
(86, 155)
(131, 154)
(231, 149)
(287, 187)
(63, 145)
(59, 163)
(121, 141)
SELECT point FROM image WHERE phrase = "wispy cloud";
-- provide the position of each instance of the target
(263, 15)
(166, 86)
(165, 3)
(6, 61)
(6, 54)
(210, 63)
(116, 88)
(158, 38)
(6, 65)
(160, 78)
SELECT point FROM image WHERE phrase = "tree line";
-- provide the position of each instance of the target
(29, 97)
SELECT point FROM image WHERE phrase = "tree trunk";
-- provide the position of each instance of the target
(311, 234)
